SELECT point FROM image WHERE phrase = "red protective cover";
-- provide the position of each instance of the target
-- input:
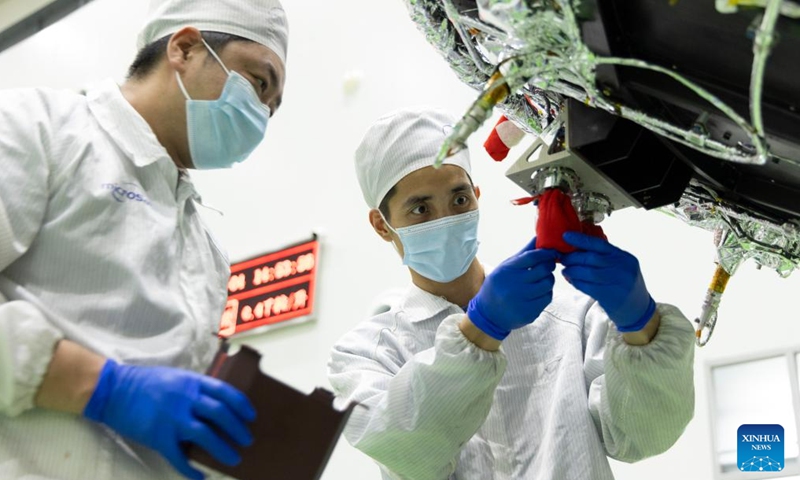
(557, 216)
(505, 135)
(494, 145)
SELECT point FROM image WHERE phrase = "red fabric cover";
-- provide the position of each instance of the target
(505, 135)
(494, 144)
(556, 216)
(590, 228)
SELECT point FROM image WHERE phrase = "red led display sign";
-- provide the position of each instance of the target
(273, 288)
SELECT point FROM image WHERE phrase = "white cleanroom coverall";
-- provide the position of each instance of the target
(101, 243)
(560, 395)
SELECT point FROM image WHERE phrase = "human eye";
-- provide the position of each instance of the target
(259, 84)
(461, 200)
(262, 84)
(419, 209)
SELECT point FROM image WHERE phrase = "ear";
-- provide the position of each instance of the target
(182, 46)
(379, 225)
(477, 192)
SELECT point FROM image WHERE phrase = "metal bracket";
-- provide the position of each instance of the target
(547, 151)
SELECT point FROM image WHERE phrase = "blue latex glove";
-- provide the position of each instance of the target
(612, 277)
(515, 293)
(166, 408)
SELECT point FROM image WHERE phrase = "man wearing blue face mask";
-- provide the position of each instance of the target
(583, 374)
(111, 288)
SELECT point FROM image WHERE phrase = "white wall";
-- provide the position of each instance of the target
(301, 180)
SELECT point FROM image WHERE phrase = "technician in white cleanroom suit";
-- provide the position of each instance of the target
(567, 389)
(111, 289)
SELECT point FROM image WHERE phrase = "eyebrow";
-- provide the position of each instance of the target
(423, 198)
(461, 188)
(415, 200)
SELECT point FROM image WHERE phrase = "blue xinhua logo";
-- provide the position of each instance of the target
(125, 192)
(760, 448)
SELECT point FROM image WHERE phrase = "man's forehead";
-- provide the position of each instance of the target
(433, 180)
(253, 53)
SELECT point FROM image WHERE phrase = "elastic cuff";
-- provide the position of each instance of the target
(480, 321)
(651, 309)
(27, 345)
(97, 403)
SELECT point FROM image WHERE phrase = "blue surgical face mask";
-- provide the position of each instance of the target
(225, 131)
(440, 250)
